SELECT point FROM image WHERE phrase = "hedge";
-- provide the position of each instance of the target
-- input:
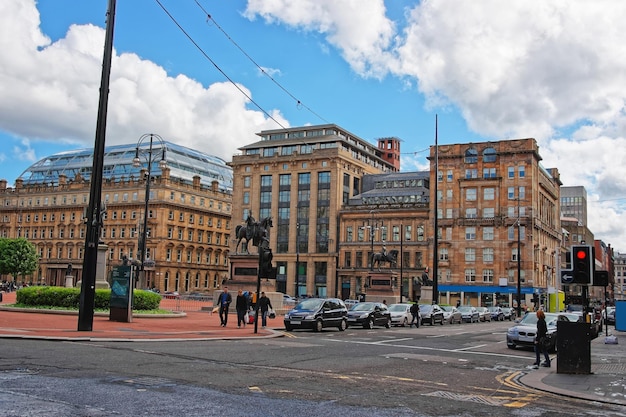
(70, 298)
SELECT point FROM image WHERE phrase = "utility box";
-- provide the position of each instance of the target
(620, 315)
(573, 344)
(120, 304)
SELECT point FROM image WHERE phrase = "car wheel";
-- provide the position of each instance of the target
(441, 322)
(319, 325)
(511, 345)
(343, 325)
(388, 324)
(369, 323)
(288, 327)
(405, 322)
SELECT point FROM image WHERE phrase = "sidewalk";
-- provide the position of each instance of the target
(192, 325)
(606, 383)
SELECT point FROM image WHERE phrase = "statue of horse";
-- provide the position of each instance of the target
(379, 257)
(255, 231)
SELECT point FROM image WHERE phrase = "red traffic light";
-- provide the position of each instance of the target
(581, 254)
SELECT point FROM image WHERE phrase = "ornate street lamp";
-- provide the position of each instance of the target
(150, 159)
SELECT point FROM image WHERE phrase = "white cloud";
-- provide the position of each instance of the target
(359, 28)
(61, 102)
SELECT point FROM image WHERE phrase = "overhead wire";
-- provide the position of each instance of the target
(299, 103)
(217, 66)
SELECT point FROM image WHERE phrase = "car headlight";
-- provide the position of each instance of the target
(309, 317)
(512, 331)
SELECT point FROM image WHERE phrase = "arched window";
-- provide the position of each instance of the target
(471, 156)
(489, 155)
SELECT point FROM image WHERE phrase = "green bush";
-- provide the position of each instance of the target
(69, 298)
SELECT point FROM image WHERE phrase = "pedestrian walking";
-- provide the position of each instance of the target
(264, 304)
(541, 340)
(415, 315)
(242, 306)
(223, 302)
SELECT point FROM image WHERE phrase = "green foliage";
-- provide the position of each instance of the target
(17, 256)
(69, 298)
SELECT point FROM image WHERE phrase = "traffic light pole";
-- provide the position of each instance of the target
(258, 289)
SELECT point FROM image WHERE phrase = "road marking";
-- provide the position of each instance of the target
(392, 340)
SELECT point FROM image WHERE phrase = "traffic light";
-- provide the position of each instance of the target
(582, 264)
(265, 263)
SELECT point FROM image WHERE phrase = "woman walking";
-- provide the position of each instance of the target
(541, 340)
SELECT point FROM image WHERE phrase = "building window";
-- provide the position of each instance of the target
(471, 173)
(470, 255)
(488, 233)
(471, 156)
(489, 193)
(470, 233)
(470, 194)
(470, 275)
(470, 213)
(487, 275)
(521, 171)
(514, 254)
(487, 254)
(489, 212)
(449, 175)
(489, 173)
(489, 155)
(511, 193)
(443, 254)
(511, 172)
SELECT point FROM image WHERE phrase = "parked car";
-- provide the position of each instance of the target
(509, 313)
(451, 314)
(431, 314)
(400, 314)
(523, 333)
(289, 300)
(483, 313)
(171, 294)
(496, 313)
(609, 315)
(369, 314)
(316, 314)
(350, 303)
(469, 314)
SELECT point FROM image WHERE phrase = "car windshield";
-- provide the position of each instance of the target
(398, 307)
(464, 309)
(530, 319)
(309, 304)
(363, 307)
(425, 308)
(492, 308)
(447, 308)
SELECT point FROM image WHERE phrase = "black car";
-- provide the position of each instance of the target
(316, 314)
(369, 314)
(431, 314)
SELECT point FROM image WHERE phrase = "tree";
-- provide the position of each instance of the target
(17, 256)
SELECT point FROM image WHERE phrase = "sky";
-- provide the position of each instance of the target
(211, 74)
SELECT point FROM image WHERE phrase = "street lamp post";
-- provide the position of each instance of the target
(297, 259)
(401, 259)
(150, 159)
(519, 263)
(372, 226)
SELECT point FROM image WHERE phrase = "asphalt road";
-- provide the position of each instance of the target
(450, 370)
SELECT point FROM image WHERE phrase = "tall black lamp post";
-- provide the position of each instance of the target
(519, 262)
(150, 159)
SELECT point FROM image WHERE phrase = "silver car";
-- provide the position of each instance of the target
(469, 314)
(452, 315)
(400, 314)
(525, 331)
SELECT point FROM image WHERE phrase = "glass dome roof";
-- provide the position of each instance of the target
(184, 163)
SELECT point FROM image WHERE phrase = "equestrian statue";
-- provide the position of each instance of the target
(253, 230)
(384, 256)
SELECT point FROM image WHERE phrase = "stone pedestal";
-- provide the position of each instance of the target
(101, 269)
(382, 287)
(69, 281)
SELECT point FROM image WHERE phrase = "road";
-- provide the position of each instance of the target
(450, 370)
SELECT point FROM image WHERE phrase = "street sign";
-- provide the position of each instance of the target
(567, 277)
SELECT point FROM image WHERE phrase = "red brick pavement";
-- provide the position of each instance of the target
(192, 325)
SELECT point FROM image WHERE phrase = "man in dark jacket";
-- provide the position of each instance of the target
(415, 313)
(264, 304)
(223, 302)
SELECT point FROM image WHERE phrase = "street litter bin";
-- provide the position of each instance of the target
(573, 344)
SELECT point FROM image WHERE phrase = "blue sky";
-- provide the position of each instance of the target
(490, 70)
